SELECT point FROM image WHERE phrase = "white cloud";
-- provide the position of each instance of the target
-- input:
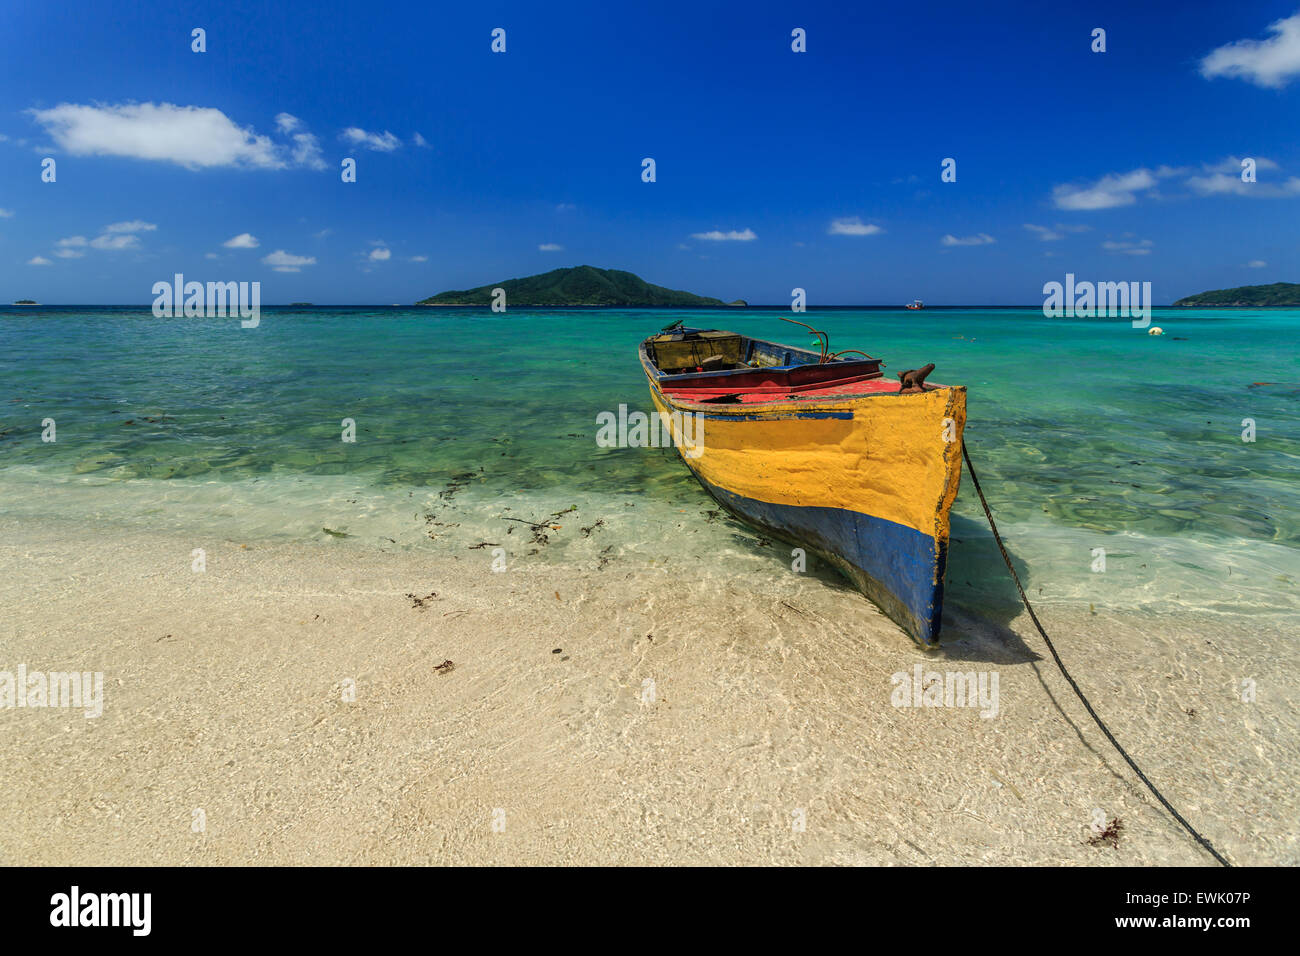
(550, 247)
(1208, 179)
(113, 238)
(1043, 233)
(211, 255)
(244, 240)
(6, 213)
(135, 225)
(1232, 164)
(384, 142)
(38, 261)
(419, 258)
(192, 136)
(1256, 264)
(419, 140)
(1053, 233)
(716, 235)
(306, 151)
(1270, 63)
(380, 255)
(282, 261)
(1225, 179)
(1142, 248)
(306, 147)
(852, 226)
(1115, 189)
(114, 242)
(980, 239)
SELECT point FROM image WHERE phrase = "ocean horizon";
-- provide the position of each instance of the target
(1037, 307)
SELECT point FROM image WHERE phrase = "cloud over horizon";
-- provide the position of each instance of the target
(979, 239)
(282, 261)
(1054, 233)
(1140, 248)
(735, 235)
(852, 226)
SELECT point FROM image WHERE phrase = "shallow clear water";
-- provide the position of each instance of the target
(1087, 433)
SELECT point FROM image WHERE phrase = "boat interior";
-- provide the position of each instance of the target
(711, 365)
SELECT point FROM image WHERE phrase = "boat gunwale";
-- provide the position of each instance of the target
(831, 402)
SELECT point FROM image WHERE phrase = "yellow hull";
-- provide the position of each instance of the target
(866, 481)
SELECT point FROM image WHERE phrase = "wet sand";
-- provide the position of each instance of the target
(767, 736)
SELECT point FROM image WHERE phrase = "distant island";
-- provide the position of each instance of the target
(26, 302)
(1249, 296)
(580, 285)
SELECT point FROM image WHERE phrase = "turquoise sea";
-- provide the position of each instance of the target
(1088, 434)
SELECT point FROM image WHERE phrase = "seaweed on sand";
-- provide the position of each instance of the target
(1109, 836)
(540, 528)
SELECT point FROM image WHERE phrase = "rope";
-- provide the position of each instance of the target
(1066, 674)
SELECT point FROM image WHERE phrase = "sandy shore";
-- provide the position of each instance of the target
(767, 735)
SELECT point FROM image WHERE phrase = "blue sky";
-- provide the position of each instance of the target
(471, 164)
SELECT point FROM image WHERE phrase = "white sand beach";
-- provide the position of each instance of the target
(767, 736)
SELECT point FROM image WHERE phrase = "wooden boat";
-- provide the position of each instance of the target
(821, 451)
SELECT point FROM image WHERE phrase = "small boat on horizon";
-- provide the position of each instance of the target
(823, 452)
(915, 304)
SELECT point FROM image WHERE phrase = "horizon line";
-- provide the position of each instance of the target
(674, 308)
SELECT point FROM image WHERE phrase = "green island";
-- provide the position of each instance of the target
(579, 285)
(1247, 296)
(25, 302)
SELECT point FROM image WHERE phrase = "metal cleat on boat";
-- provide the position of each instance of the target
(913, 380)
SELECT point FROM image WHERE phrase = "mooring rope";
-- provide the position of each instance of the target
(1066, 674)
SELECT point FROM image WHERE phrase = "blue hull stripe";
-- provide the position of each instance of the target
(898, 567)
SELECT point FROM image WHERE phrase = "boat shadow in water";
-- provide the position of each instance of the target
(980, 599)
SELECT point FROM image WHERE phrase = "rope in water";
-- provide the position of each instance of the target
(1066, 674)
